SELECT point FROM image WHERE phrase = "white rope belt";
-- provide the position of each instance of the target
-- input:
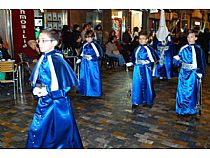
(142, 62)
(187, 66)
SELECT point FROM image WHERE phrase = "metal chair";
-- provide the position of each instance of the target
(10, 66)
(24, 69)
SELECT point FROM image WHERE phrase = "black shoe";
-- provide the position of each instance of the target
(135, 105)
(150, 106)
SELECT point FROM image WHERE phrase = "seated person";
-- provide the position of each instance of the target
(3, 52)
(112, 51)
(5, 43)
(31, 55)
(4, 55)
(77, 45)
(35, 47)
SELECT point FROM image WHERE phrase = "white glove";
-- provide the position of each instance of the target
(169, 38)
(88, 57)
(176, 57)
(35, 91)
(129, 64)
(146, 61)
(40, 92)
(78, 61)
(199, 75)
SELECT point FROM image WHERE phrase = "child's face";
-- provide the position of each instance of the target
(89, 39)
(45, 43)
(191, 38)
(143, 39)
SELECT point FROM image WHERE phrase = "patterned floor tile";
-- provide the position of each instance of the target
(110, 121)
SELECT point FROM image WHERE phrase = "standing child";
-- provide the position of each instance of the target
(192, 61)
(142, 87)
(53, 125)
(90, 75)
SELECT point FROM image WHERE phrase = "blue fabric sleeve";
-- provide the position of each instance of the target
(176, 63)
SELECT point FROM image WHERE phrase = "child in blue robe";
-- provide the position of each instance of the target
(53, 124)
(90, 75)
(192, 61)
(143, 58)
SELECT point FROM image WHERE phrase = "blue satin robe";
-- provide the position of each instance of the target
(163, 67)
(53, 124)
(142, 85)
(186, 96)
(90, 75)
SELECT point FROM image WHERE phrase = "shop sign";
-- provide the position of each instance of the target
(23, 28)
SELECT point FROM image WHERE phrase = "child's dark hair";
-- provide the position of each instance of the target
(89, 33)
(52, 33)
(193, 31)
(143, 33)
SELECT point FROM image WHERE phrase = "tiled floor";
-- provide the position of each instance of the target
(110, 121)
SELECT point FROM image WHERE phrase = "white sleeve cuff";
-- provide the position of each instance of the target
(129, 64)
(176, 57)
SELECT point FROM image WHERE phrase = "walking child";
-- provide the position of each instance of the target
(53, 124)
(143, 58)
(90, 75)
(191, 58)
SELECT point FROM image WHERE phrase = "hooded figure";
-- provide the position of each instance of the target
(165, 50)
(162, 32)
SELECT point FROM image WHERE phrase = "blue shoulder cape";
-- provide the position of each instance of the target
(64, 73)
